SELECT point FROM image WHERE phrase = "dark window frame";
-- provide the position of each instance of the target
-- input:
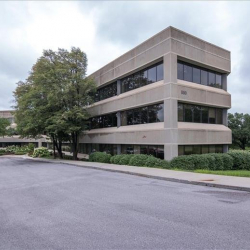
(215, 85)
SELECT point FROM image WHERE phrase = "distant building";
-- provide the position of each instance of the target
(166, 97)
(16, 140)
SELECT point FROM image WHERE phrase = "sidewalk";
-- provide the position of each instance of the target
(220, 181)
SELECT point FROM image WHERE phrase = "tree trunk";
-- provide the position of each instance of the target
(54, 148)
(59, 148)
(75, 145)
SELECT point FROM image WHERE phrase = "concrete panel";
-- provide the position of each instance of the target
(206, 59)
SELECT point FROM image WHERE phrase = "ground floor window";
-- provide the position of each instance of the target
(199, 149)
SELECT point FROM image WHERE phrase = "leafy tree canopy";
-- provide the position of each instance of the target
(54, 98)
(240, 125)
(4, 124)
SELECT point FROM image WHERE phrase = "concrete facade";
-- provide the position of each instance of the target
(169, 46)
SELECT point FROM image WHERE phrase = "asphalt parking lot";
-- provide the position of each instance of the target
(59, 206)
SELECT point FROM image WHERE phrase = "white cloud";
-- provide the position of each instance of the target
(105, 30)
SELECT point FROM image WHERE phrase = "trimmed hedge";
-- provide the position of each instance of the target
(115, 159)
(100, 157)
(138, 160)
(185, 162)
(125, 159)
(241, 159)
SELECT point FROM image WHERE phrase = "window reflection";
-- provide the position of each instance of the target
(199, 114)
(199, 149)
(190, 73)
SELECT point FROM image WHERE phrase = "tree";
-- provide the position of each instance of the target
(54, 98)
(240, 126)
(4, 124)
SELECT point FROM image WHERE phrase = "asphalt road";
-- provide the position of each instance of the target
(58, 206)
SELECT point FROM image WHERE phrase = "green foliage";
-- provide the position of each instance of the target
(116, 159)
(55, 97)
(241, 159)
(186, 162)
(41, 152)
(100, 157)
(138, 160)
(153, 162)
(165, 164)
(4, 123)
(124, 159)
(240, 126)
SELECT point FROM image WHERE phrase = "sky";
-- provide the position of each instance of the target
(105, 30)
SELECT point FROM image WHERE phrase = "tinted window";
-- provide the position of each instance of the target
(219, 116)
(159, 69)
(196, 75)
(197, 114)
(211, 148)
(180, 112)
(107, 121)
(124, 118)
(144, 78)
(144, 149)
(211, 115)
(160, 112)
(137, 116)
(160, 153)
(197, 149)
(205, 149)
(211, 79)
(204, 114)
(188, 113)
(137, 80)
(188, 150)
(188, 73)
(129, 117)
(204, 77)
(180, 150)
(218, 149)
(218, 81)
(152, 75)
(152, 150)
(180, 71)
(144, 115)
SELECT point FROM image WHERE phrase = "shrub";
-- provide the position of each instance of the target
(153, 162)
(116, 159)
(241, 159)
(138, 160)
(100, 157)
(124, 159)
(200, 161)
(185, 162)
(165, 164)
(222, 161)
(41, 152)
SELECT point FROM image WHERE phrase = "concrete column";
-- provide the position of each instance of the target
(39, 143)
(224, 81)
(170, 151)
(171, 113)
(170, 68)
(118, 87)
(225, 148)
(118, 119)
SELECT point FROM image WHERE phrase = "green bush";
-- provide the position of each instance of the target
(200, 161)
(186, 162)
(41, 152)
(124, 159)
(153, 162)
(100, 157)
(222, 161)
(138, 160)
(241, 159)
(116, 159)
(165, 164)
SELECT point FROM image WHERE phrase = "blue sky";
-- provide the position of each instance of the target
(107, 29)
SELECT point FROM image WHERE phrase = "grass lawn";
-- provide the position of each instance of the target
(239, 173)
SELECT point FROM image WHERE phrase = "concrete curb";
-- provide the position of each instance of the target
(215, 185)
